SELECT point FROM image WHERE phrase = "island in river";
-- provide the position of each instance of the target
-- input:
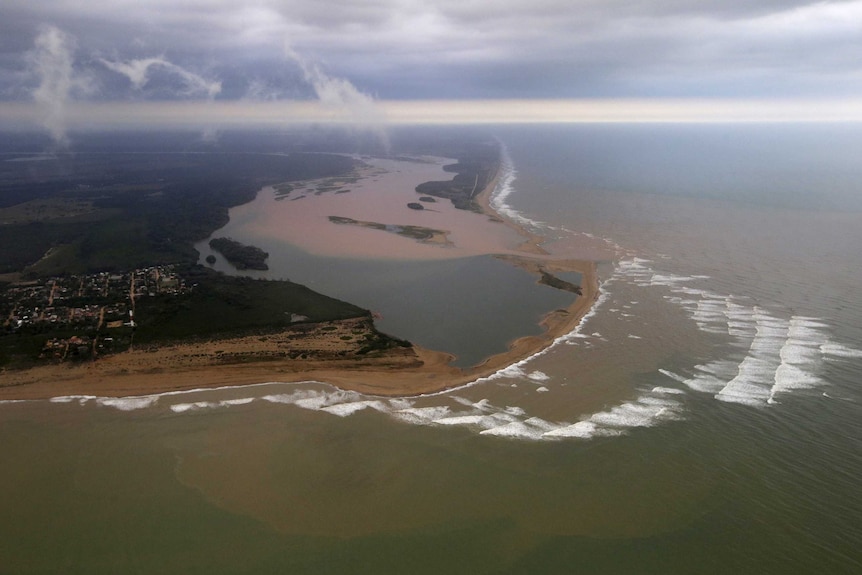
(210, 336)
(241, 256)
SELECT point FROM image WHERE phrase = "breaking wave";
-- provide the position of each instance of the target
(505, 188)
(780, 354)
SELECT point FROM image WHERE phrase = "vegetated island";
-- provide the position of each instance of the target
(240, 256)
(475, 169)
(418, 233)
(234, 331)
(553, 281)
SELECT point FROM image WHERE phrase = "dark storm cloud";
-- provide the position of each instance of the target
(445, 49)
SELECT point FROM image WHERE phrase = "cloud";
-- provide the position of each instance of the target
(405, 49)
(139, 73)
(336, 93)
(52, 60)
(341, 96)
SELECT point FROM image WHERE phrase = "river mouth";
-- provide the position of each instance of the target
(454, 296)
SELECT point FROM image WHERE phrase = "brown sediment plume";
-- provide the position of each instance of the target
(321, 354)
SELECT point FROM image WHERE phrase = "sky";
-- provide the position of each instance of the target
(64, 62)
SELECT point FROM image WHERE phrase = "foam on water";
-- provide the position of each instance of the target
(838, 350)
(533, 428)
(345, 409)
(480, 421)
(184, 407)
(239, 401)
(128, 403)
(667, 390)
(511, 421)
(421, 415)
(583, 430)
(782, 353)
(121, 403)
(651, 408)
(199, 405)
(707, 378)
(756, 373)
(505, 187)
(82, 399)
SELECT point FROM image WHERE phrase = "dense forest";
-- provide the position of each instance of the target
(240, 256)
(133, 209)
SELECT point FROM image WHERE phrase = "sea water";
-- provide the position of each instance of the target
(703, 418)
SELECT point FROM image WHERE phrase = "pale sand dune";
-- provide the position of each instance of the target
(379, 197)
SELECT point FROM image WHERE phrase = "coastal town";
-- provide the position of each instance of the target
(82, 316)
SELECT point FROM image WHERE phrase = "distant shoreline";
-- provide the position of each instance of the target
(396, 372)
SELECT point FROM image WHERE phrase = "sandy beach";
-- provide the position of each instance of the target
(259, 358)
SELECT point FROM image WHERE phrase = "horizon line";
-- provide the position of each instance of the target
(224, 114)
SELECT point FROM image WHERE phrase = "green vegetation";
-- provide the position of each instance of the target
(418, 233)
(475, 169)
(94, 217)
(241, 256)
(141, 209)
(222, 306)
(209, 305)
(282, 190)
(555, 282)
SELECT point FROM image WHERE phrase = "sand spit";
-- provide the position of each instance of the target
(321, 354)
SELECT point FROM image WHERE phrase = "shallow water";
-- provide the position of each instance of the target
(703, 418)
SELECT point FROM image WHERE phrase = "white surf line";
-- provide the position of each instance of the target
(516, 370)
(741, 324)
(128, 403)
(197, 405)
(838, 350)
(650, 409)
(800, 357)
(505, 187)
(753, 382)
(709, 377)
(134, 402)
(121, 403)
(619, 251)
(783, 355)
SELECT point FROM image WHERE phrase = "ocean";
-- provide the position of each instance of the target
(703, 418)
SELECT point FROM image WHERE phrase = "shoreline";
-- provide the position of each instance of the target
(398, 372)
